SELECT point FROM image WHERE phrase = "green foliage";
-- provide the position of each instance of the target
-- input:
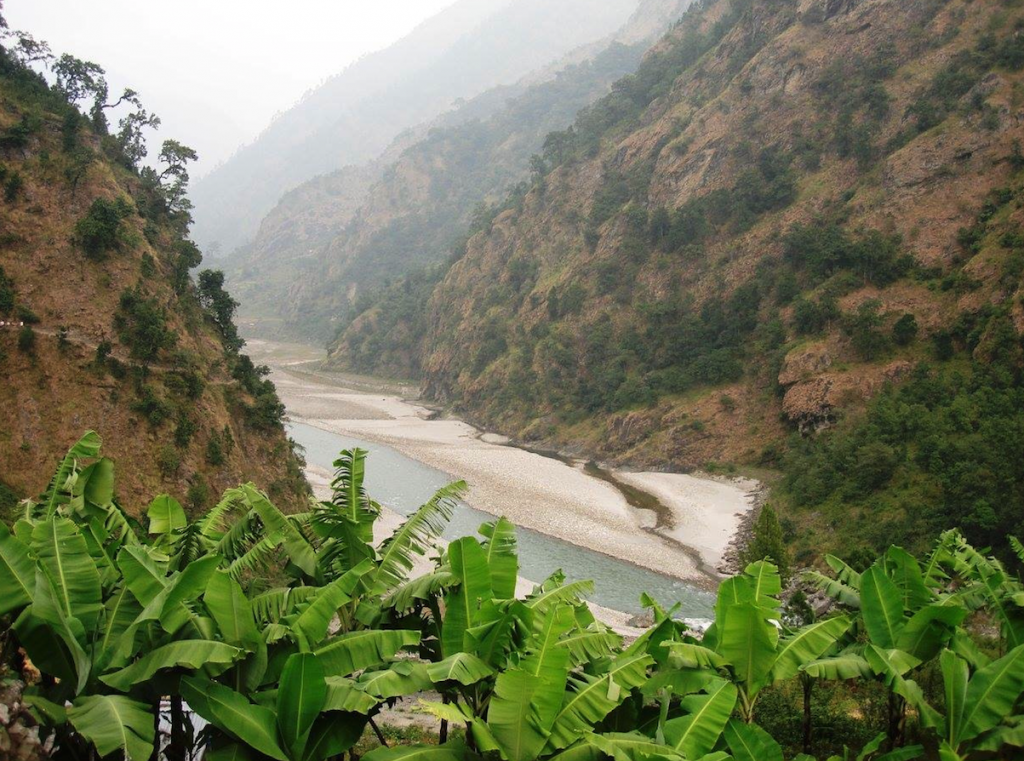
(220, 305)
(14, 183)
(115, 618)
(768, 543)
(824, 249)
(101, 230)
(27, 340)
(7, 295)
(864, 330)
(904, 330)
(141, 324)
(214, 450)
(184, 431)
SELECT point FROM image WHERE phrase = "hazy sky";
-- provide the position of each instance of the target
(216, 71)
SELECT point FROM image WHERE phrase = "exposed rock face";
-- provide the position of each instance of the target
(811, 405)
(804, 363)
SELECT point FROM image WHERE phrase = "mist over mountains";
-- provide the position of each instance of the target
(468, 48)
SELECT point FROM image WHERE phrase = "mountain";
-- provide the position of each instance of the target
(337, 238)
(791, 242)
(101, 327)
(350, 119)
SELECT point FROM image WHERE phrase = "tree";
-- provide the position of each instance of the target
(174, 178)
(131, 138)
(904, 331)
(215, 299)
(26, 50)
(99, 231)
(78, 80)
(768, 543)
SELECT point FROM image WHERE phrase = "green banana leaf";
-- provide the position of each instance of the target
(748, 742)
(300, 698)
(343, 694)
(416, 535)
(446, 752)
(311, 624)
(464, 668)
(706, 715)
(991, 694)
(881, 607)
(839, 668)
(115, 723)
(189, 654)
(233, 714)
(143, 574)
(64, 557)
(806, 644)
(468, 563)
(299, 550)
(594, 697)
(230, 608)
(522, 710)
(166, 516)
(930, 629)
(358, 650)
(502, 557)
(17, 572)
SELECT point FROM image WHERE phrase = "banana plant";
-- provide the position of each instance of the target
(99, 612)
(906, 617)
(748, 643)
(978, 715)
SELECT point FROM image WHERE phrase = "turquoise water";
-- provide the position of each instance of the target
(403, 484)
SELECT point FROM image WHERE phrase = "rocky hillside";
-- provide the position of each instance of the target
(102, 327)
(792, 240)
(466, 49)
(301, 276)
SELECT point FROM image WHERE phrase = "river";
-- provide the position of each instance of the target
(569, 517)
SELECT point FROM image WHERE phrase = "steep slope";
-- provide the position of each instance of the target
(103, 328)
(796, 217)
(429, 183)
(466, 49)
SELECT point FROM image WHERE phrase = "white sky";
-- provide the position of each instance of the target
(217, 71)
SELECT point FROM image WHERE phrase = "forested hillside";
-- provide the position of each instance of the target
(339, 237)
(792, 240)
(352, 117)
(101, 324)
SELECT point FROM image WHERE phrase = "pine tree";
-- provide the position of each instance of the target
(767, 542)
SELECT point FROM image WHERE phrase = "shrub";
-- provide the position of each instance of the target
(8, 502)
(214, 451)
(6, 293)
(184, 431)
(198, 495)
(863, 328)
(13, 187)
(142, 325)
(904, 331)
(100, 230)
(168, 461)
(151, 407)
(27, 340)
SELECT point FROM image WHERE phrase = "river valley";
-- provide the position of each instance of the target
(660, 533)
